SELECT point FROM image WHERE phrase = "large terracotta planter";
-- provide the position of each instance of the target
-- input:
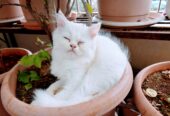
(8, 52)
(11, 13)
(98, 106)
(123, 10)
(2, 110)
(141, 101)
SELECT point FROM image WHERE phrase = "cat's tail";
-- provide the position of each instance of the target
(42, 98)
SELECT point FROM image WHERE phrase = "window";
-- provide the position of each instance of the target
(158, 5)
(78, 6)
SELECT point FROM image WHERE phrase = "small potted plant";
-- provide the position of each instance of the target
(151, 90)
(8, 58)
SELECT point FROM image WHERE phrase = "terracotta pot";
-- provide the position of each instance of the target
(11, 13)
(13, 51)
(8, 52)
(141, 101)
(38, 6)
(123, 10)
(2, 110)
(98, 106)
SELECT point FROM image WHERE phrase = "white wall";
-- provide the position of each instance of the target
(146, 52)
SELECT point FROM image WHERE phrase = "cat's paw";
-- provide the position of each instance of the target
(54, 88)
(51, 91)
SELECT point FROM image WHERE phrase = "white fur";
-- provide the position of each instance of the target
(93, 67)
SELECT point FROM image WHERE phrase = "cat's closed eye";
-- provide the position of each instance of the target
(80, 42)
(67, 39)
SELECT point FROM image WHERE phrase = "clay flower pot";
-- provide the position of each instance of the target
(123, 10)
(8, 52)
(12, 51)
(11, 13)
(141, 101)
(98, 106)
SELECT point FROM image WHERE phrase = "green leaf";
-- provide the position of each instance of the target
(23, 77)
(37, 61)
(34, 76)
(44, 54)
(89, 8)
(27, 60)
(28, 86)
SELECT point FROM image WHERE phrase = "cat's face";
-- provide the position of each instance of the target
(74, 39)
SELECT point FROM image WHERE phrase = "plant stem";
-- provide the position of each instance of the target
(87, 12)
(68, 6)
(58, 5)
(46, 6)
(42, 20)
(69, 9)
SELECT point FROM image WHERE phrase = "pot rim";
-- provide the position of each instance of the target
(17, 48)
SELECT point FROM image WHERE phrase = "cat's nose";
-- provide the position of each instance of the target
(73, 46)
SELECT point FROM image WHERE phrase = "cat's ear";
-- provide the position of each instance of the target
(61, 19)
(94, 29)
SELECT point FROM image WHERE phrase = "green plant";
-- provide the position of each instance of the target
(27, 77)
(35, 59)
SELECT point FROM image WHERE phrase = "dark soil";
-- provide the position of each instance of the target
(46, 79)
(7, 62)
(160, 82)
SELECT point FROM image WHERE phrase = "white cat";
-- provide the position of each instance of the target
(86, 63)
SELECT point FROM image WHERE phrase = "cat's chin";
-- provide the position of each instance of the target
(72, 52)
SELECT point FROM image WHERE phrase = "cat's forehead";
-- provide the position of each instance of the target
(75, 29)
